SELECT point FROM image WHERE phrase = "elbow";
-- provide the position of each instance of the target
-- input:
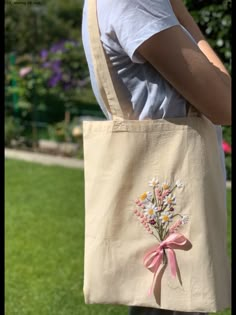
(222, 122)
(224, 119)
(219, 111)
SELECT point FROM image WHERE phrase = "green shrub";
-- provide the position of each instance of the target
(12, 130)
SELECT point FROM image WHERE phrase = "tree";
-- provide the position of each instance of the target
(31, 28)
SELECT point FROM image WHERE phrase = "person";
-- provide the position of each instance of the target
(163, 63)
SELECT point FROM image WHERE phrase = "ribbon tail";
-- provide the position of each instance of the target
(154, 281)
(150, 291)
(156, 273)
(172, 261)
(156, 285)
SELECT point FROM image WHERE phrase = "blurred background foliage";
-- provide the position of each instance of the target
(46, 75)
(215, 20)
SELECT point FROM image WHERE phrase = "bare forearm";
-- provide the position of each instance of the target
(188, 22)
(214, 59)
(189, 71)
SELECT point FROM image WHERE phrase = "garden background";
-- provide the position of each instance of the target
(47, 95)
(47, 86)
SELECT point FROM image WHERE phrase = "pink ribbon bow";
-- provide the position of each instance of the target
(154, 257)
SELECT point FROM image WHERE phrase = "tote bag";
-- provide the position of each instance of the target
(155, 213)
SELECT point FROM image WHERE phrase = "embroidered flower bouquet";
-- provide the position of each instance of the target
(157, 212)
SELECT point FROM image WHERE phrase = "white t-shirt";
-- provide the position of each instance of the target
(124, 26)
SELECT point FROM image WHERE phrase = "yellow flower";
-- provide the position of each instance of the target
(147, 195)
(143, 196)
(165, 186)
(150, 211)
(169, 200)
(166, 217)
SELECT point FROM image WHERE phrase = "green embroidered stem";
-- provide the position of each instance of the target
(173, 189)
(157, 237)
(154, 196)
(161, 233)
(166, 232)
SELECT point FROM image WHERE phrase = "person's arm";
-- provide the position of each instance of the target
(189, 71)
(188, 22)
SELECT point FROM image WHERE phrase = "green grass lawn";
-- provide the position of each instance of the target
(44, 230)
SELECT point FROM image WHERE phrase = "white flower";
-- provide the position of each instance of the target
(184, 219)
(169, 200)
(154, 182)
(165, 186)
(150, 211)
(146, 196)
(166, 217)
(179, 184)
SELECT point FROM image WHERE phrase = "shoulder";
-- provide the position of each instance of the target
(123, 8)
(131, 22)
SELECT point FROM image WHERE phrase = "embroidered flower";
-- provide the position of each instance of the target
(166, 217)
(155, 212)
(146, 196)
(165, 186)
(157, 208)
(179, 184)
(158, 193)
(175, 226)
(152, 222)
(184, 219)
(165, 193)
(154, 182)
(169, 200)
(150, 211)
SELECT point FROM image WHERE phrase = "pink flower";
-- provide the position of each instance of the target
(158, 193)
(165, 193)
(138, 202)
(24, 71)
(226, 147)
(175, 226)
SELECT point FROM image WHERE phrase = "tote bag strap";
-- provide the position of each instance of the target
(116, 105)
(102, 70)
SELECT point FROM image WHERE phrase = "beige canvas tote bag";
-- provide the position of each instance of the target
(155, 212)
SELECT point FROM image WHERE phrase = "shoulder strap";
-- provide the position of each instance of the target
(102, 69)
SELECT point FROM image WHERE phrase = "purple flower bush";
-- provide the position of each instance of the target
(63, 59)
(55, 76)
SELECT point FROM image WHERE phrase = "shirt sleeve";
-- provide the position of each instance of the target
(135, 21)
